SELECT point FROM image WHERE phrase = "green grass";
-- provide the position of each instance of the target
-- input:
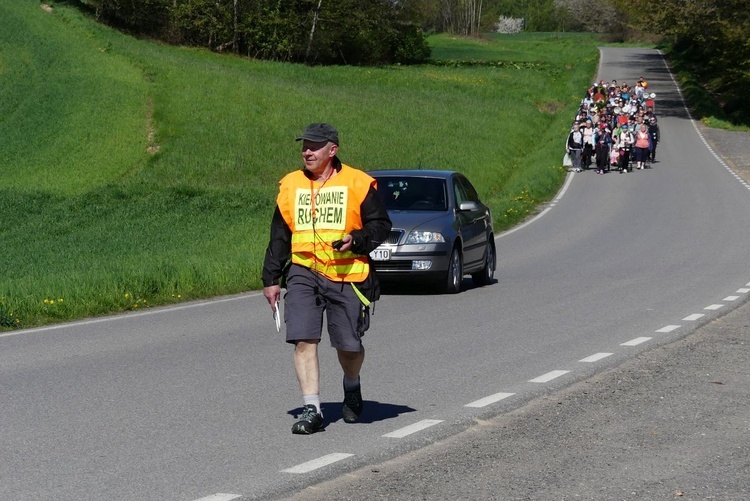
(136, 174)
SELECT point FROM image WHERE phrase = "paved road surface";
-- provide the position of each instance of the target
(672, 423)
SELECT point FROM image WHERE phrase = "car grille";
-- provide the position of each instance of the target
(391, 265)
(393, 237)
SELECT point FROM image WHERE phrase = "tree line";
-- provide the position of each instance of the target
(713, 36)
(356, 32)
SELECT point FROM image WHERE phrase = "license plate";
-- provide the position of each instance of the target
(380, 255)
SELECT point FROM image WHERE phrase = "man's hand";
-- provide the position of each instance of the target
(273, 295)
(346, 243)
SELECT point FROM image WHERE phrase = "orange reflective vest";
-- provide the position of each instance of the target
(319, 213)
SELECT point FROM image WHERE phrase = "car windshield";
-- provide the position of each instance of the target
(412, 193)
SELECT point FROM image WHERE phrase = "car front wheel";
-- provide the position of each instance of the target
(454, 274)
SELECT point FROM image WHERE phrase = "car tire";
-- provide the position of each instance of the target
(487, 275)
(452, 283)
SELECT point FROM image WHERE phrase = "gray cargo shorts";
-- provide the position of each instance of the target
(308, 295)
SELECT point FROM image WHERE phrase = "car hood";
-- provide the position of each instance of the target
(422, 220)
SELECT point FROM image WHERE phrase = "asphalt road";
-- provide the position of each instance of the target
(670, 423)
(496, 393)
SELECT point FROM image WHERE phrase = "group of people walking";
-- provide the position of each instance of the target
(615, 127)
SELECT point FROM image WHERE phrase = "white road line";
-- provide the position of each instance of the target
(596, 357)
(693, 317)
(743, 290)
(126, 316)
(695, 126)
(545, 378)
(317, 463)
(220, 497)
(731, 298)
(714, 307)
(702, 138)
(413, 428)
(668, 328)
(484, 402)
(636, 341)
(560, 194)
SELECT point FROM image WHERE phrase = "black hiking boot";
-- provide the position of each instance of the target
(352, 404)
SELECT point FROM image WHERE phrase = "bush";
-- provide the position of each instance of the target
(411, 46)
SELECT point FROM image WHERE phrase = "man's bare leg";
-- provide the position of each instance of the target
(307, 367)
(351, 362)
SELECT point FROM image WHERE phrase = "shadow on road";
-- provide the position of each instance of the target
(373, 411)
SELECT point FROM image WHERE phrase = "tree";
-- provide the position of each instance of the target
(712, 35)
(462, 17)
(538, 15)
(593, 16)
(310, 31)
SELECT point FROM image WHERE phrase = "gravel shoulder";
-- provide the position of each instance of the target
(671, 423)
(732, 147)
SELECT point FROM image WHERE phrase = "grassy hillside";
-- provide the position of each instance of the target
(134, 173)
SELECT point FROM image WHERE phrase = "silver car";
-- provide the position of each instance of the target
(441, 230)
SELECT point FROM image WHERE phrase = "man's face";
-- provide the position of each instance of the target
(317, 155)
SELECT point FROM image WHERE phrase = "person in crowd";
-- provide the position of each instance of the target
(574, 147)
(588, 144)
(595, 117)
(601, 150)
(582, 115)
(653, 130)
(588, 101)
(613, 88)
(626, 141)
(600, 95)
(609, 112)
(625, 92)
(614, 152)
(621, 115)
(642, 147)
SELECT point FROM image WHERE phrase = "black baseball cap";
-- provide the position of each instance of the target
(319, 133)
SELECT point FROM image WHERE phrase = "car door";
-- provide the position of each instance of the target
(473, 223)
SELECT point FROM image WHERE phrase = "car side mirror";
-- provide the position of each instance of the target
(468, 206)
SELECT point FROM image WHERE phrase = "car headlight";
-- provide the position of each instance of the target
(424, 237)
